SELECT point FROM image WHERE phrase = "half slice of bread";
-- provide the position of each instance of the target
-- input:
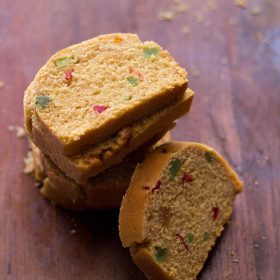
(97, 158)
(104, 191)
(176, 206)
(89, 91)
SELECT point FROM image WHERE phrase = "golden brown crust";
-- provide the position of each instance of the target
(103, 192)
(83, 165)
(50, 192)
(143, 259)
(112, 127)
(100, 65)
(39, 170)
(132, 211)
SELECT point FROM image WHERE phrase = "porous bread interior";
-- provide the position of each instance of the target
(98, 157)
(100, 77)
(112, 181)
(103, 191)
(178, 210)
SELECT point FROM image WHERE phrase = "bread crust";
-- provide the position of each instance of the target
(39, 170)
(81, 166)
(50, 192)
(132, 211)
(98, 193)
(143, 259)
(109, 52)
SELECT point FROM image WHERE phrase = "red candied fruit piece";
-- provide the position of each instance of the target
(68, 76)
(98, 109)
(187, 178)
(182, 240)
(215, 213)
(157, 187)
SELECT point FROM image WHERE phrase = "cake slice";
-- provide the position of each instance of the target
(97, 158)
(104, 191)
(89, 91)
(176, 206)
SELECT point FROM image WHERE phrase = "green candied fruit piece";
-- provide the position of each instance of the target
(42, 101)
(174, 167)
(206, 236)
(132, 80)
(64, 61)
(209, 156)
(127, 97)
(150, 52)
(161, 254)
(190, 238)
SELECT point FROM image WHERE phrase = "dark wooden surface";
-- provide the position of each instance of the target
(233, 58)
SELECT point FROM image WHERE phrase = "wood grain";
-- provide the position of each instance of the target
(233, 59)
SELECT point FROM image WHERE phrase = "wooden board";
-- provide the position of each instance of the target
(233, 58)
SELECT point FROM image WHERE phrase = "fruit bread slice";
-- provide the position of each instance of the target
(176, 206)
(104, 191)
(98, 157)
(89, 91)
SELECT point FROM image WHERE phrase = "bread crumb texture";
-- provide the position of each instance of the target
(104, 191)
(186, 210)
(19, 130)
(83, 87)
(100, 156)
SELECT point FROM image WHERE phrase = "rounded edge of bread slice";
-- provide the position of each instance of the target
(98, 158)
(89, 91)
(102, 192)
(151, 221)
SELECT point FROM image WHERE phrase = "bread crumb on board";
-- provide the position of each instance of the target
(262, 38)
(196, 73)
(165, 15)
(256, 182)
(73, 231)
(232, 253)
(20, 131)
(241, 3)
(186, 30)
(180, 7)
(256, 11)
(199, 18)
(212, 5)
(28, 163)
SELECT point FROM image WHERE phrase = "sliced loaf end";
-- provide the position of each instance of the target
(178, 201)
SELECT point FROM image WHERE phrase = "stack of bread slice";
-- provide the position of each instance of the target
(94, 109)
(96, 114)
